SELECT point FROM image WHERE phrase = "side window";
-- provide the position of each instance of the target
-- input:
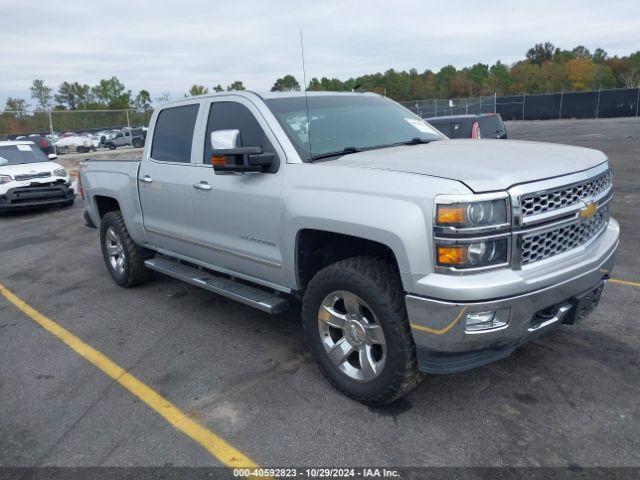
(233, 115)
(173, 134)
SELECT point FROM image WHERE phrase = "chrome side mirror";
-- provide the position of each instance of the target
(225, 139)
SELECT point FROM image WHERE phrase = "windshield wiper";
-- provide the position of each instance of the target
(416, 141)
(344, 151)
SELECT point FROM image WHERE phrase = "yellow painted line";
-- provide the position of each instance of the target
(624, 282)
(216, 446)
(441, 331)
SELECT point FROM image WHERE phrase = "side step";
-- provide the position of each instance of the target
(255, 297)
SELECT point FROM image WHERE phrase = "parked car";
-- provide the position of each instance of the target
(409, 252)
(134, 137)
(28, 178)
(40, 141)
(488, 125)
(70, 142)
(105, 135)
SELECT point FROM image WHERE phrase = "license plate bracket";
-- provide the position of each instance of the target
(584, 304)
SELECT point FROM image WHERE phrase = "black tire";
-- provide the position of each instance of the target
(134, 272)
(377, 283)
(111, 146)
(81, 149)
(138, 143)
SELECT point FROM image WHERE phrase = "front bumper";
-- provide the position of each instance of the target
(443, 345)
(36, 195)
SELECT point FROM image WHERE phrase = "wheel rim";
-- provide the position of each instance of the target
(115, 250)
(352, 336)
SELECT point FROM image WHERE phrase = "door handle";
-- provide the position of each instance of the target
(146, 179)
(202, 186)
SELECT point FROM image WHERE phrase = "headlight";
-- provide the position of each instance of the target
(472, 253)
(60, 172)
(472, 214)
(5, 179)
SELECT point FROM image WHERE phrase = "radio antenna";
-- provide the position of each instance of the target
(306, 97)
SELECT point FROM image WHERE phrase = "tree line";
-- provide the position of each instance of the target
(545, 68)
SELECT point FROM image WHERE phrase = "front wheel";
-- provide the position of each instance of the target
(123, 258)
(356, 324)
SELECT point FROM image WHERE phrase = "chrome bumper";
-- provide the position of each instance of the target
(438, 326)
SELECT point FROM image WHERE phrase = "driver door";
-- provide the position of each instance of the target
(239, 219)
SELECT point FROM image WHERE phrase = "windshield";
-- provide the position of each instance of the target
(17, 154)
(347, 123)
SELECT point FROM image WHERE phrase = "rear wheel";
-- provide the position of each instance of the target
(356, 324)
(123, 258)
(138, 143)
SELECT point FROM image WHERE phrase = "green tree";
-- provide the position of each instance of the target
(540, 53)
(41, 94)
(74, 95)
(444, 78)
(237, 85)
(142, 101)
(287, 83)
(478, 74)
(218, 88)
(581, 52)
(498, 80)
(196, 90)
(599, 55)
(112, 93)
(16, 105)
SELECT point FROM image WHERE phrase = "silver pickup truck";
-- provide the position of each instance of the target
(409, 252)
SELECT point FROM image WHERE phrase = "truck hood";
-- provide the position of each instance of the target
(482, 165)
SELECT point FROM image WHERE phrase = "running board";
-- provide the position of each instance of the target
(254, 297)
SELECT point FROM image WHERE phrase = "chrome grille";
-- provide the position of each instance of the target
(30, 176)
(538, 246)
(541, 202)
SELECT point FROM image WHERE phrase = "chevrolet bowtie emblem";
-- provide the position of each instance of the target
(588, 211)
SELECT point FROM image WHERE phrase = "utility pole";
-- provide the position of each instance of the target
(55, 149)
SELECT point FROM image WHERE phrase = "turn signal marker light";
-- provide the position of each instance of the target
(452, 255)
(218, 161)
(450, 215)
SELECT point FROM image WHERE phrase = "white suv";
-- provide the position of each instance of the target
(29, 179)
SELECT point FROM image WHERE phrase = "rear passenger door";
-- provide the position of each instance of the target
(165, 179)
(239, 220)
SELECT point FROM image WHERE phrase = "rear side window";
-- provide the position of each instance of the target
(492, 126)
(173, 134)
(231, 116)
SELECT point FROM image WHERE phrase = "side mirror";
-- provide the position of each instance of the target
(52, 156)
(228, 156)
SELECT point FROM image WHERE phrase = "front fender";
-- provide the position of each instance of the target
(398, 224)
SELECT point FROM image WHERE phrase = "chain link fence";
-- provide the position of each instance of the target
(619, 102)
(56, 123)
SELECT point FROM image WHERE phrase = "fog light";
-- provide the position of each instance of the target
(486, 320)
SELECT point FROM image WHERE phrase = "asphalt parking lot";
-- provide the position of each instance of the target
(570, 398)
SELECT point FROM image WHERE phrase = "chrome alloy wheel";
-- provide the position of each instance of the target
(352, 336)
(115, 250)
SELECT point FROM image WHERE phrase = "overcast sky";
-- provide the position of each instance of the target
(168, 45)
